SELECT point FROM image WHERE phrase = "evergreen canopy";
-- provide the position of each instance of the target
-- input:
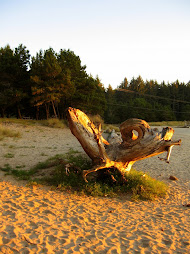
(46, 84)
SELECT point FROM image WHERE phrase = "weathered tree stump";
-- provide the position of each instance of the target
(137, 141)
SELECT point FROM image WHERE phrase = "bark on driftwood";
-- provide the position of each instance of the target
(137, 141)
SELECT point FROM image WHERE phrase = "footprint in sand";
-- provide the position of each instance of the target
(167, 242)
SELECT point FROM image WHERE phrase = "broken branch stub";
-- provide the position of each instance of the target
(137, 141)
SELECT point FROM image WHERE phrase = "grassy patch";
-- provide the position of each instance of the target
(96, 119)
(109, 127)
(19, 173)
(12, 146)
(168, 123)
(64, 172)
(144, 187)
(9, 155)
(6, 132)
(20, 166)
(52, 122)
(43, 154)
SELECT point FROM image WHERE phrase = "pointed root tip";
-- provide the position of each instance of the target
(164, 159)
(178, 142)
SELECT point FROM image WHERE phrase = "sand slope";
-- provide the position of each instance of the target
(39, 220)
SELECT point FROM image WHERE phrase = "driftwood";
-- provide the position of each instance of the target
(137, 141)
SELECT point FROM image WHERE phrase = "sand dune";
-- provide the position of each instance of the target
(41, 220)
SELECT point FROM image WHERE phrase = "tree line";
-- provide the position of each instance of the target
(148, 100)
(45, 85)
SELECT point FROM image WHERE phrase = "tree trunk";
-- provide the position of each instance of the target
(54, 110)
(58, 113)
(19, 113)
(37, 113)
(2, 112)
(121, 152)
(47, 110)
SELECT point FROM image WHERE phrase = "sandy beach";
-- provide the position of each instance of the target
(41, 220)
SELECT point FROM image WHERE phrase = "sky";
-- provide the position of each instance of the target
(113, 38)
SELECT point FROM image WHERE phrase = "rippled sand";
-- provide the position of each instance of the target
(39, 220)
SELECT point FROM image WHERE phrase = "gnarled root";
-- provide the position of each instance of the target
(124, 151)
(121, 167)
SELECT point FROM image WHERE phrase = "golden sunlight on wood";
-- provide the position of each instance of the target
(136, 142)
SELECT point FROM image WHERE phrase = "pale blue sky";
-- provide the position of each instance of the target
(114, 39)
